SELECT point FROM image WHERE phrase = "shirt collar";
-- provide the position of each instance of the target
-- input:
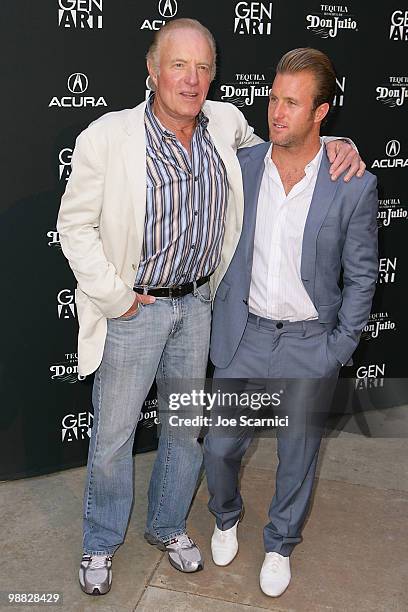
(310, 168)
(202, 120)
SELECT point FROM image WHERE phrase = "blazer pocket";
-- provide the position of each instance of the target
(222, 290)
(328, 312)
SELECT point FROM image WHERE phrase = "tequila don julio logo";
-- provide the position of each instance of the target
(245, 89)
(395, 93)
(378, 322)
(330, 20)
(390, 211)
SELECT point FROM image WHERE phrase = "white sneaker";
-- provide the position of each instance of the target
(224, 545)
(275, 574)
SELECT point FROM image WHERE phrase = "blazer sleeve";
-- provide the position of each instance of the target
(78, 226)
(244, 135)
(360, 271)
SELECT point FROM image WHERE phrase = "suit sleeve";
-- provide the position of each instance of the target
(360, 271)
(78, 226)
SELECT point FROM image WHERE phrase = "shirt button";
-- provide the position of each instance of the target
(193, 246)
(134, 266)
(279, 325)
(195, 213)
(196, 178)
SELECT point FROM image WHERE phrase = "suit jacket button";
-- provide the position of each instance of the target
(134, 266)
(245, 302)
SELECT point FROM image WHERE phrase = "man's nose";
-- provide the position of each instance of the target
(278, 110)
(192, 75)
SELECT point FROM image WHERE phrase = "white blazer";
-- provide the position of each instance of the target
(102, 215)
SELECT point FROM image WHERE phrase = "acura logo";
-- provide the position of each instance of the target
(167, 8)
(392, 148)
(77, 83)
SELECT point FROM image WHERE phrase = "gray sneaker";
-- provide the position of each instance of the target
(183, 553)
(95, 574)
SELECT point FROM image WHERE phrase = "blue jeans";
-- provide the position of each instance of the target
(168, 340)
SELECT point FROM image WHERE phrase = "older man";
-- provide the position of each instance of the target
(152, 210)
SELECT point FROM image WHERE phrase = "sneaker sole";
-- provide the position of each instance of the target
(154, 541)
(173, 564)
(95, 592)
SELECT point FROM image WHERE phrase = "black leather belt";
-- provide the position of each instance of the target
(173, 292)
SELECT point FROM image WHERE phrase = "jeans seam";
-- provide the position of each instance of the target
(156, 516)
(92, 462)
(160, 506)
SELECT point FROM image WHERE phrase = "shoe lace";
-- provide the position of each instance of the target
(184, 541)
(98, 561)
(274, 562)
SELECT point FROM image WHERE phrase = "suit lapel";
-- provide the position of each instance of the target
(134, 156)
(323, 195)
(252, 172)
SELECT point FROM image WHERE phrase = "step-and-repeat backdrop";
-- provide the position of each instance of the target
(65, 63)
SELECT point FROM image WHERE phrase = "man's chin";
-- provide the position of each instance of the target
(281, 142)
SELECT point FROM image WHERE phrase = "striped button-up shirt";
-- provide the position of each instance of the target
(185, 207)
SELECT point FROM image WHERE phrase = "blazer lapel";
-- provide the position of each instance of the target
(134, 156)
(323, 195)
(252, 172)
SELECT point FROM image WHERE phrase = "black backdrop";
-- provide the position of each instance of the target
(66, 62)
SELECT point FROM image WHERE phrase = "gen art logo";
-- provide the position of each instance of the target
(370, 376)
(253, 18)
(64, 165)
(80, 14)
(66, 306)
(399, 25)
(75, 427)
(387, 270)
(340, 91)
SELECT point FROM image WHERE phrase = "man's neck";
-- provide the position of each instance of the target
(183, 128)
(297, 156)
(291, 161)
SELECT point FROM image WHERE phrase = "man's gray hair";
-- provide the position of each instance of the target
(153, 53)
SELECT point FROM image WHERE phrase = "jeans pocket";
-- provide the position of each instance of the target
(203, 293)
(132, 316)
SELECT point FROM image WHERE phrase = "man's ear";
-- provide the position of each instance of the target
(321, 112)
(152, 72)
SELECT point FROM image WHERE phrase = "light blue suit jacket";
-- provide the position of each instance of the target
(339, 263)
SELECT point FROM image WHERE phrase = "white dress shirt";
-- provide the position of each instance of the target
(277, 291)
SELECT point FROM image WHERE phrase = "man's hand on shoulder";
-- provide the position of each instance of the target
(139, 299)
(344, 157)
